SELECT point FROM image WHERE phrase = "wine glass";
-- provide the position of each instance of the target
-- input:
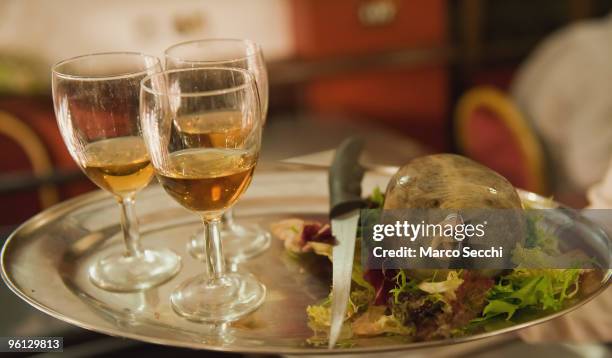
(243, 241)
(206, 173)
(96, 100)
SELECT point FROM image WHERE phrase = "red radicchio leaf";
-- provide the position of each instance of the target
(383, 281)
(316, 232)
(471, 297)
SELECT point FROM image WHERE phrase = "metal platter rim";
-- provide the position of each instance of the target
(56, 210)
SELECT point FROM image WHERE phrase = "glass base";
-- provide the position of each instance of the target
(120, 273)
(227, 299)
(240, 243)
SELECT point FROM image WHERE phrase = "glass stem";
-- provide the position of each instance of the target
(129, 225)
(228, 220)
(215, 261)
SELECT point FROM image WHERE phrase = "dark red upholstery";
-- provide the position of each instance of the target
(37, 114)
(493, 144)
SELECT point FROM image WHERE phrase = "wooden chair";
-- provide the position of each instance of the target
(34, 149)
(490, 129)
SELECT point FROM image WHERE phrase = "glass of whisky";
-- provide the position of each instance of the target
(242, 240)
(206, 173)
(96, 100)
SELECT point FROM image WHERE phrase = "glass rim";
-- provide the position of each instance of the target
(248, 42)
(247, 75)
(63, 75)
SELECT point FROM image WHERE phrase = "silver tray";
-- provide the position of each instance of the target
(45, 263)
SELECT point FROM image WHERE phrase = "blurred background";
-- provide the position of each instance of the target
(522, 86)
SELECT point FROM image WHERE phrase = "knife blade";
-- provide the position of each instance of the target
(344, 229)
(345, 177)
(325, 158)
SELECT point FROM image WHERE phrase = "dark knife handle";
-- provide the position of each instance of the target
(345, 175)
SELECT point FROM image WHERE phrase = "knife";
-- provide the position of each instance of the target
(345, 175)
(325, 158)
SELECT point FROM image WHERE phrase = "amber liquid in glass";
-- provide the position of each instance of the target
(207, 179)
(120, 165)
(223, 129)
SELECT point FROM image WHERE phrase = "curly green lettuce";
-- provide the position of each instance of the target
(545, 289)
(319, 316)
(524, 288)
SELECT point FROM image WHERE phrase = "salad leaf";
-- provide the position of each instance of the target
(321, 248)
(315, 232)
(377, 198)
(498, 307)
(375, 322)
(531, 257)
(538, 237)
(543, 289)
(447, 287)
(319, 316)
(403, 285)
(357, 275)
(383, 281)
